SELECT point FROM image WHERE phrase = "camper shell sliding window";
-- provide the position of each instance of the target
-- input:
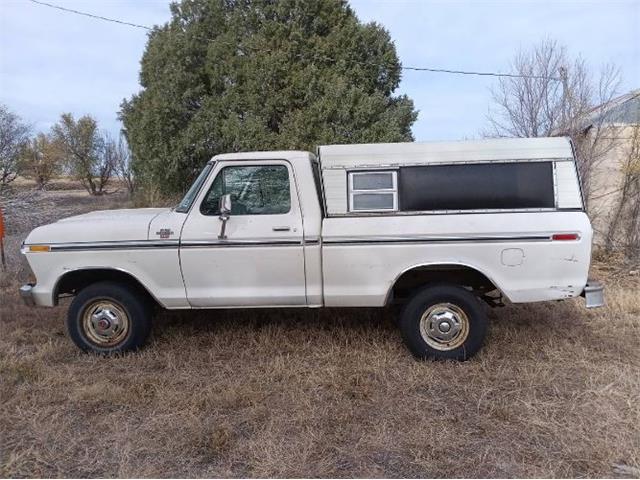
(373, 191)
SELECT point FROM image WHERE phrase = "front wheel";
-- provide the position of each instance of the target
(443, 322)
(107, 317)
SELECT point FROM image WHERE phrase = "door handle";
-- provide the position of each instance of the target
(281, 229)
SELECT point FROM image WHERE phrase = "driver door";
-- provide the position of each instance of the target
(260, 262)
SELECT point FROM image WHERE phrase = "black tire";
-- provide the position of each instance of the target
(456, 307)
(128, 306)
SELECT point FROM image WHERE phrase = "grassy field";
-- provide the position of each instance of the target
(555, 392)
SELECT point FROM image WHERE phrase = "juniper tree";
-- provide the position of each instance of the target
(226, 76)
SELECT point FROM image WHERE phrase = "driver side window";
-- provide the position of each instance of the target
(255, 190)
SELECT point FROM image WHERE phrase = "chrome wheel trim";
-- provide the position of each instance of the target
(105, 323)
(444, 326)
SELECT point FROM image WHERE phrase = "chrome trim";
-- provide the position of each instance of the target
(142, 245)
(114, 245)
(241, 243)
(492, 211)
(26, 293)
(434, 239)
(173, 244)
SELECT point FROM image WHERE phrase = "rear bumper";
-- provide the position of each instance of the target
(26, 293)
(593, 294)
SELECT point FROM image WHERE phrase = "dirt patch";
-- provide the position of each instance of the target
(555, 393)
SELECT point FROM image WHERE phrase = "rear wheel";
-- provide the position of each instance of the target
(108, 317)
(443, 322)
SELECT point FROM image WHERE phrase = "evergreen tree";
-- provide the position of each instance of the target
(238, 75)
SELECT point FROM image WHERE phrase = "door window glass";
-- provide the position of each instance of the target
(255, 190)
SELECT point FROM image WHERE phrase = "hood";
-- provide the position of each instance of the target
(100, 226)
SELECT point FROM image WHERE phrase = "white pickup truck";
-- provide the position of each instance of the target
(441, 228)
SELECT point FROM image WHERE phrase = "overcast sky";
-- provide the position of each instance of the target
(53, 62)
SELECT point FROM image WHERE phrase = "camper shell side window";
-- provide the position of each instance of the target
(480, 186)
(515, 185)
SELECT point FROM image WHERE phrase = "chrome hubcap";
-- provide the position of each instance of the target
(444, 326)
(105, 323)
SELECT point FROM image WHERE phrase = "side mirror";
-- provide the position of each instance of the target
(224, 207)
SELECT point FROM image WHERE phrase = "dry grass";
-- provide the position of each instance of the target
(555, 393)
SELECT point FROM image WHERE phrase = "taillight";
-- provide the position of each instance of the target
(565, 236)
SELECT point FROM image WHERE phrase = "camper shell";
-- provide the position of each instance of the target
(480, 160)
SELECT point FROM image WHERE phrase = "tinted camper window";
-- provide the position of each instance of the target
(477, 186)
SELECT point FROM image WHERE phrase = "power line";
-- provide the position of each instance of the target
(486, 74)
(417, 69)
(91, 15)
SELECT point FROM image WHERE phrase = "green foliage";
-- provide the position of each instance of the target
(237, 75)
(42, 159)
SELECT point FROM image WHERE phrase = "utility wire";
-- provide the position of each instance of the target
(417, 69)
(91, 15)
(486, 74)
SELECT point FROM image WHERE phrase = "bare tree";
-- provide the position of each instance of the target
(590, 129)
(624, 226)
(123, 164)
(632, 172)
(14, 134)
(555, 95)
(88, 159)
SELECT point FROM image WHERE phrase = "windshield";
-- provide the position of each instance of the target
(185, 204)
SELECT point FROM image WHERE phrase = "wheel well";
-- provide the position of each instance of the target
(72, 282)
(446, 273)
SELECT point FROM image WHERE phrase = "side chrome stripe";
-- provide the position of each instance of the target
(434, 239)
(242, 243)
(173, 244)
(144, 245)
(115, 245)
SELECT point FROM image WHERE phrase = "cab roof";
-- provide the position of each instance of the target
(273, 155)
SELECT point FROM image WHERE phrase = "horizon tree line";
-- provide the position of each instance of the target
(72, 148)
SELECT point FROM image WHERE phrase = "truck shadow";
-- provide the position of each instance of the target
(285, 319)
(512, 327)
